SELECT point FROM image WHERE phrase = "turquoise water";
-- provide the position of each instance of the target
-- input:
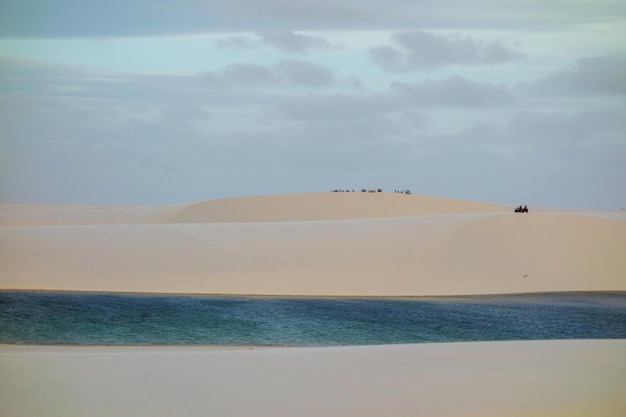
(123, 319)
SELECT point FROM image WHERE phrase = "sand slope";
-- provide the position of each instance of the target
(550, 378)
(304, 244)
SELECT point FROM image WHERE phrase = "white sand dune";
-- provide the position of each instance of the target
(315, 244)
(392, 245)
(549, 378)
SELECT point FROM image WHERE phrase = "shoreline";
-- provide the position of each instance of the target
(317, 297)
(181, 347)
(206, 347)
(4, 347)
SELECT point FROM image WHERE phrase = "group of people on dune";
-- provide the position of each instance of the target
(379, 190)
(363, 190)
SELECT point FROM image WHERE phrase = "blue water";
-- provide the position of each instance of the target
(122, 319)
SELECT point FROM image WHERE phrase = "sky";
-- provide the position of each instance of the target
(157, 102)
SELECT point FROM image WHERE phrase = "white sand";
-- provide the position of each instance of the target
(313, 244)
(553, 378)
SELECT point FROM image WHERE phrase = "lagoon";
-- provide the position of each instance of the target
(72, 318)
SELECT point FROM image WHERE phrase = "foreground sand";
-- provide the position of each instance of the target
(378, 244)
(550, 378)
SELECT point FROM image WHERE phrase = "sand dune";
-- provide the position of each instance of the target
(549, 378)
(325, 206)
(396, 245)
(315, 244)
(278, 208)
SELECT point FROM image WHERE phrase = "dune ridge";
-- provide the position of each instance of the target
(304, 244)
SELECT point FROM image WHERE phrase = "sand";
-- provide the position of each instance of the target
(549, 378)
(329, 244)
(325, 244)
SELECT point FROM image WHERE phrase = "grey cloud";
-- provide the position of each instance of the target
(387, 57)
(560, 128)
(454, 91)
(306, 74)
(36, 77)
(418, 50)
(182, 115)
(236, 85)
(450, 92)
(285, 73)
(316, 107)
(71, 18)
(120, 130)
(318, 10)
(593, 75)
(238, 41)
(285, 41)
(543, 157)
(243, 75)
(362, 144)
(49, 80)
(291, 42)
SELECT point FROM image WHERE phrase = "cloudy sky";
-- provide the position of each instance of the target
(159, 101)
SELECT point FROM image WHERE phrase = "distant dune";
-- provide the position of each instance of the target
(325, 206)
(277, 208)
(373, 244)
